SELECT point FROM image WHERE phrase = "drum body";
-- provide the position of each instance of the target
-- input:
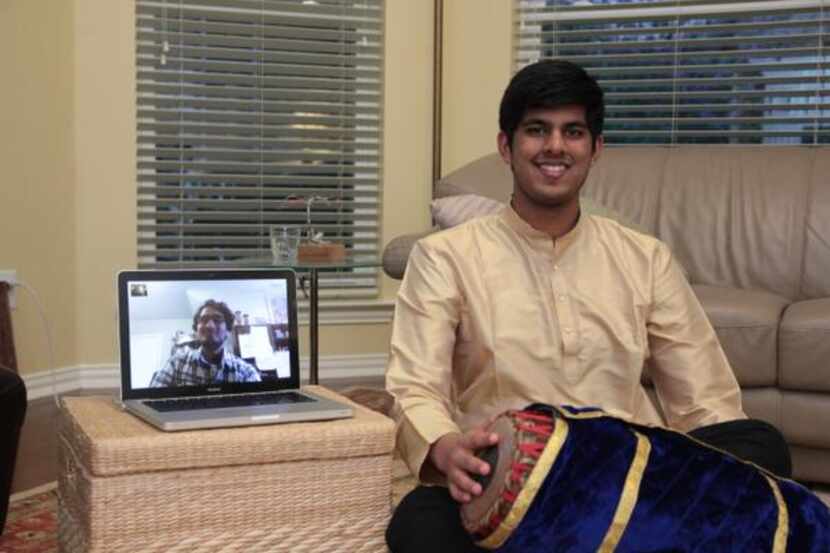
(580, 480)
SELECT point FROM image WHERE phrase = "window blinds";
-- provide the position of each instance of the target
(248, 109)
(692, 71)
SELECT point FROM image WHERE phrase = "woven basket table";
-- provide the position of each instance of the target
(318, 486)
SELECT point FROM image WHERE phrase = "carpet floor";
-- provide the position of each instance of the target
(31, 526)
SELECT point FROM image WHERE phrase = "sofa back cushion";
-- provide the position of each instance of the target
(816, 278)
(628, 181)
(736, 216)
(733, 216)
(487, 176)
(745, 217)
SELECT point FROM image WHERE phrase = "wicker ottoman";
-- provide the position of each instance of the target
(318, 486)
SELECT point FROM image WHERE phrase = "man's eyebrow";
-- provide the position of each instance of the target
(534, 121)
(543, 122)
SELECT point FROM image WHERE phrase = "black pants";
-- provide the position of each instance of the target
(427, 519)
(12, 411)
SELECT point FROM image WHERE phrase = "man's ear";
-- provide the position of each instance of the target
(599, 144)
(503, 142)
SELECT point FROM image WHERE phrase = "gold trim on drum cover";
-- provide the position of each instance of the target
(628, 496)
(592, 414)
(532, 484)
(779, 544)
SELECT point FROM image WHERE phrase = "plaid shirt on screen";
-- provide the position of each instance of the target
(188, 367)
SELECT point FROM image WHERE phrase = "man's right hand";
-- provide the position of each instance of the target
(455, 455)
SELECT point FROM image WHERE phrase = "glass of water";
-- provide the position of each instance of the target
(284, 243)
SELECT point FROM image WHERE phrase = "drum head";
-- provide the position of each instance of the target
(476, 514)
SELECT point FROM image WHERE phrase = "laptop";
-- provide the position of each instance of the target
(213, 348)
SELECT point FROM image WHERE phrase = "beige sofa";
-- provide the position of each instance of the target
(751, 226)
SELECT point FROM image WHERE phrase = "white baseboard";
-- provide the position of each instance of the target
(66, 379)
(107, 376)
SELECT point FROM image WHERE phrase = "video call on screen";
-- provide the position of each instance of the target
(161, 317)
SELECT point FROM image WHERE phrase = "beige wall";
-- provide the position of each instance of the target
(407, 129)
(68, 109)
(104, 116)
(38, 230)
(476, 68)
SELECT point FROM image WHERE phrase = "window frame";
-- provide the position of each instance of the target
(678, 90)
(312, 153)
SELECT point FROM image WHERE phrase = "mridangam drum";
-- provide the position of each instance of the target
(564, 479)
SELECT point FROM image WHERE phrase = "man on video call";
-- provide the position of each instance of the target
(211, 362)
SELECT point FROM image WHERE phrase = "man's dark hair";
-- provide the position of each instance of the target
(550, 84)
(219, 306)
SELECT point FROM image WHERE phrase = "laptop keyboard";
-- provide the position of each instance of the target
(219, 402)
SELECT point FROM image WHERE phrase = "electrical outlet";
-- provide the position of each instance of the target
(9, 276)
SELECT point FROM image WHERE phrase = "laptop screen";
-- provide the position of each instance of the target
(200, 332)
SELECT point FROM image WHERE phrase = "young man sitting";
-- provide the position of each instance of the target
(539, 303)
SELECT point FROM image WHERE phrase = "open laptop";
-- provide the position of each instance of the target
(213, 348)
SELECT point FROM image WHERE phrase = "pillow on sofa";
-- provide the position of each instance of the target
(450, 211)
(453, 210)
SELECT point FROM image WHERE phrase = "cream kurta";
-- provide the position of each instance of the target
(493, 315)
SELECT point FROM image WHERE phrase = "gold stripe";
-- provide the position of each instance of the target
(534, 482)
(779, 544)
(628, 497)
(583, 415)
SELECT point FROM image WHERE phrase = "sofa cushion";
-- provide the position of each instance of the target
(736, 216)
(804, 346)
(454, 210)
(628, 180)
(815, 282)
(810, 464)
(805, 418)
(763, 404)
(487, 176)
(746, 322)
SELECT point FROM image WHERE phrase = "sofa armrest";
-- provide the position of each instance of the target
(396, 252)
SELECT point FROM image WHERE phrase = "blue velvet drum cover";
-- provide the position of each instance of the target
(574, 480)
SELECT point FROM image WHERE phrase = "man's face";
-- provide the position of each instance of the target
(550, 156)
(211, 328)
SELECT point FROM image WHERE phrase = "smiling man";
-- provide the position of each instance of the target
(550, 154)
(540, 303)
(211, 362)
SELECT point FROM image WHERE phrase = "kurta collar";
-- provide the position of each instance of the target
(538, 240)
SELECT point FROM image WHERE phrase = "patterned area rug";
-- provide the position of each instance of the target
(31, 525)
